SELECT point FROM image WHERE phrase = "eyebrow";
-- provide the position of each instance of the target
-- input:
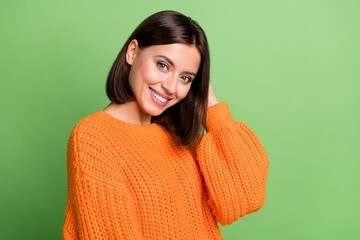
(172, 64)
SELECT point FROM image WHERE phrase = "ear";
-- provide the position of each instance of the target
(131, 51)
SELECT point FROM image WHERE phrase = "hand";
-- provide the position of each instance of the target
(212, 98)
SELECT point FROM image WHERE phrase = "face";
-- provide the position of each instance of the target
(161, 75)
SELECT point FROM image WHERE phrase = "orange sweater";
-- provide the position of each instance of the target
(129, 181)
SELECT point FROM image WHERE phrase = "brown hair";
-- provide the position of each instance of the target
(185, 120)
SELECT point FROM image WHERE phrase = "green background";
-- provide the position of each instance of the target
(289, 69)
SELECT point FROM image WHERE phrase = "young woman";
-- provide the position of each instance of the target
(143, 168)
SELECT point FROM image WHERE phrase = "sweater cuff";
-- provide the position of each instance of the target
(218, 116)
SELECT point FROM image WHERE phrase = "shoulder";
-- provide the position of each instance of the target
(90, 125)
(91, 146)
(90, 122)
(90, 134)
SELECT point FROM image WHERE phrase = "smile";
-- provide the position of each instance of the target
(157, 98)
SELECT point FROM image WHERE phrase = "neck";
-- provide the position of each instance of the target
(130, 112)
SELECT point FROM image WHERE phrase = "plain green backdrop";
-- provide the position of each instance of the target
(289, 69)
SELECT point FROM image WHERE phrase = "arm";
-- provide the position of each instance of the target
(102, 205)
(234, 165)
(212, 100)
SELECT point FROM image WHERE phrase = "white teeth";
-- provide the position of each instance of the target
(159, 97)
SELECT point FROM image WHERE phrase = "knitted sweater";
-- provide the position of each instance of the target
(130, 181)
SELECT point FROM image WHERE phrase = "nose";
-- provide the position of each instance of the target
(170, 84)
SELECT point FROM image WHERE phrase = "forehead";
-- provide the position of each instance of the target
(182, 55)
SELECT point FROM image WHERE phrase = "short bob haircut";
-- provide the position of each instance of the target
(186, 120)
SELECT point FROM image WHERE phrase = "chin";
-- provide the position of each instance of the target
(153, 111)
(156, 114)
(156, 110)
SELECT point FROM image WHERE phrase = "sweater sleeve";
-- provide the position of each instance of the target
(234, 165)
(101, 206)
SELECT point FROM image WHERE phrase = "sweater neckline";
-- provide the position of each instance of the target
(149, 129)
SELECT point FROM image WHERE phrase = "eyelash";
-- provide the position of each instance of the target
(161, 63)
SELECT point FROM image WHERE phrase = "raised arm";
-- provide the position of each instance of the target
(234, 165)
(100, 204)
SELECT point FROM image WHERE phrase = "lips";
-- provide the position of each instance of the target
(157, 101)
(160, 94)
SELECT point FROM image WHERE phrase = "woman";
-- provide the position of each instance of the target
(143, 168)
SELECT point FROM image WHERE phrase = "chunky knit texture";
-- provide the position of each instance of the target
(129, 181)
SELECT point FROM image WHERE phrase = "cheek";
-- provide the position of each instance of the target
(183, 92)
(141, 74)
(150, 74)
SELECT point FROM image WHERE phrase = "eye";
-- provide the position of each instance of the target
(187, 78)
(162, 65)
